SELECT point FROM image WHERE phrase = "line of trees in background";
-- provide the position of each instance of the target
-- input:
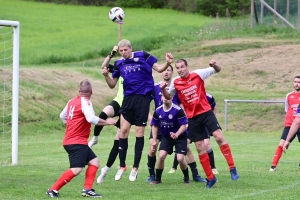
(224, 8)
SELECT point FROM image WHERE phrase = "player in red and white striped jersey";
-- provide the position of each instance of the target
(192, 94)
(292, 102)
(78, 115)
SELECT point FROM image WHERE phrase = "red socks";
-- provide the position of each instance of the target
(226, 151)
(204, 160)
(66, 177)
(277, 156)
(90, 175)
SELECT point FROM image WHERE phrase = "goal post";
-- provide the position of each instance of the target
(9, 61)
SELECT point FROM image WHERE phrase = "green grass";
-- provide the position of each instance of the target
(42, 160)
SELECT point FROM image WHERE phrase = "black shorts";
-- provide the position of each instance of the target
(198, 125)
(79, 155)
(168, 143)
(286, 131)
(135, 109)
(208, 133)
(116, 108)
(159, 135)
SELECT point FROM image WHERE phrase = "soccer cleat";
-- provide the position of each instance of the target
(92, 143)
(234, 175)
(155, 182)
(211, 183)
(51, 193)
(186, 180)
(120, 173)
(90, 193)
(272, 169)
(215, 171)
(172, 171)
(133, 174)
(150, 179)
(199, 179)
(103, 173)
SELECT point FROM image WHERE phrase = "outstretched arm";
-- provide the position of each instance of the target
(162, 67)
(292, 132)
(214, 64)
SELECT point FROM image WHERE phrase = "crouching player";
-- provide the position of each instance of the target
(172, 122)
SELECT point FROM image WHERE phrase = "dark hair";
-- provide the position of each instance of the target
(297, 76)
(171, 67)
(182, 60)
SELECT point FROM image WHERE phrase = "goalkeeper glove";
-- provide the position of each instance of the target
(113, 52)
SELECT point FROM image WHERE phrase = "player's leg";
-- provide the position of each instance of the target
(152, 158)
(140, 105)
(192, 164)
(175, 164)
(213, 127)
(111, 158)
(77, 158)
(211, 156)
(90, 174)
(181, 151)
(107, 112)
(279, 150)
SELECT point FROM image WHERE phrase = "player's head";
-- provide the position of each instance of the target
(85, 88)
(168, 73)
(125, 48)
(297, 83)
(182, 68)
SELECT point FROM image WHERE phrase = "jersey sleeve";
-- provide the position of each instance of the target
(149, 58)
(206, 72)
(182, 119)
(286, 103)
(116, 72)
(63, 114)
(172, 89)
(88, 111)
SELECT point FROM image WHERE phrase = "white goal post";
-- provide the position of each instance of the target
(12, 59)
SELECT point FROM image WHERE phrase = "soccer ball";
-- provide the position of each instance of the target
(116, 14)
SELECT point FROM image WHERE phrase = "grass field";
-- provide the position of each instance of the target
(42, 160)
(258, 63)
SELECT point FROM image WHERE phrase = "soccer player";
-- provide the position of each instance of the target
(292, 102)
(293, 130)
(172, 122)
(210, 152)
(136, 70)
(78, 115)
(157, 96)
(192, 94)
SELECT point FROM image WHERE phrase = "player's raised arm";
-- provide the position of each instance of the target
(214, 64)
(162, 67)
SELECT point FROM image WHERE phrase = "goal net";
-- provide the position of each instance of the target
(9, 91)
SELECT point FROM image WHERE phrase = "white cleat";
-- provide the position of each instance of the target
(104, 171)
(133, 175)
(120, 173)
(92, 143)
(215, 171)
(272, 169)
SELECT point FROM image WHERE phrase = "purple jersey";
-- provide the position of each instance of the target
(169, 120)
(157, 94)
(136, 72)
(211, 100)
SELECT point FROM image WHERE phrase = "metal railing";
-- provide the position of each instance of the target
(244, 101)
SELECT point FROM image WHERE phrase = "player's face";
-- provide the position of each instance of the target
(182, 69)
(297, 84)
(166, 101)
(167, 74)
(125, 52)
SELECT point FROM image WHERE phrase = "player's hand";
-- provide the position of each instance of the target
(173, 135)
(105, 71)
(285, 146)
(111, 121)
(169, 58)
(163, 85)
(212, 63)
(113, 51)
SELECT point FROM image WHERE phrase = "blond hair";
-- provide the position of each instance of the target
(124, 43)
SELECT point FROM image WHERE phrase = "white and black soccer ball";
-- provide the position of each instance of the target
(116, 14)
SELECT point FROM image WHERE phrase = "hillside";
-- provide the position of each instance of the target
(266, 73)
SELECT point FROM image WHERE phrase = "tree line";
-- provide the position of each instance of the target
(205, 7)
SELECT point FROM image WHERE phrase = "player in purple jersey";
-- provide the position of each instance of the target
(136, 70)
(172, 122)
(157, 96)
(209, 150)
